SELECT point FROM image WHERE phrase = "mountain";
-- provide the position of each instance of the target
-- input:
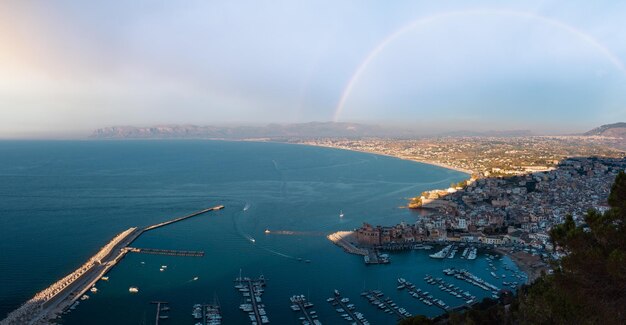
(615, 130)
(300, 130)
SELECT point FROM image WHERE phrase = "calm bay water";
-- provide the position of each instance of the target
(61, 201)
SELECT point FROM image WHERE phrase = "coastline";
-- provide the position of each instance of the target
(427, 162)
(532, 265)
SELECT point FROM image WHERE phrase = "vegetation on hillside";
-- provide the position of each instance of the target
(588, 285)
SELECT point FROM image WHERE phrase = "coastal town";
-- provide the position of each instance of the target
(482, 156)
(507, 204)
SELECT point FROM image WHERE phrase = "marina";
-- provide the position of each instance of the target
(207, 314)
(301, 304)
(377, 299)
(347, 310)
(423, 296)
(451, 289)
(251, 291)
(472, 279)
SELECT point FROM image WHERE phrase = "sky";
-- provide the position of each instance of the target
(69, 67)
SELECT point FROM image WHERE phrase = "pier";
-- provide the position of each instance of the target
(197, 213)
(59, 296)
(158, 311)
(423, 296)
(302, 305)
(353, 317)
(253, 289)
(169, 252)
(386, 303)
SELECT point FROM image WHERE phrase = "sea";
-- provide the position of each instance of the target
(61, 201)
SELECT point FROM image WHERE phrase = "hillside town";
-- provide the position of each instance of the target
(518, 210)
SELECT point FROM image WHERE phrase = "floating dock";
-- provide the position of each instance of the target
(169, 252)
(301, 304)
(376, 298)
(423, 296)
(252, 290)
(158, 311)
(353, 316)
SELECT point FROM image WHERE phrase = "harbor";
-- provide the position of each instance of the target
(378, 299)
(423, 296)
(301, 304)
(207, 314)
(252, 290)
(63, 294)
(346, 309)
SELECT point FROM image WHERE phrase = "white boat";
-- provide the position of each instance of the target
(341, 214)
(105, 278)
(94, 289)
(133, 289)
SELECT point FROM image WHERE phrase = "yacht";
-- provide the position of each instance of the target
(133, 289)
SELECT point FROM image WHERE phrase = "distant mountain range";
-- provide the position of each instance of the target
(280, 131)
(615, 130)
(309, 130)
(300, 130)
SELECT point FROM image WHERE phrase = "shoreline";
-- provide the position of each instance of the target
(525, 262)
(532, 265)
(427, 162)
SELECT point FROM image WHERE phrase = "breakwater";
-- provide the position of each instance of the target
(46, 304)
(341, 239)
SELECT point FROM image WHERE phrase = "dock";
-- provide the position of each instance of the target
(169, 222)
(302, 305)
(343, 303)
(253, 289)
(169, 252)
(158, 311)
(423, 296)
(377, 298)
(62, 294)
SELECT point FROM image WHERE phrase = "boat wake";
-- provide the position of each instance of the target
(278, 253)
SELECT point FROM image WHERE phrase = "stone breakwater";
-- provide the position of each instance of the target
(34, 310)
(341, 239)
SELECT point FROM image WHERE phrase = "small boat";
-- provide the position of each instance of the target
(253, 240)
(341, 214)
(164, 266)
(195, 278)
(267, 231)
(84, 297)
(105, 278)
(93, 289)
(133, 289)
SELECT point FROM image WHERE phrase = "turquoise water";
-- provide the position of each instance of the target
(61, 201)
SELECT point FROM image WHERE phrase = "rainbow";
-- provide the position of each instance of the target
(422, 22)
